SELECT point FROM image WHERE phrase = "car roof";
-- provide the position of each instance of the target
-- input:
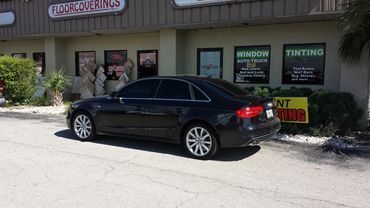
(184, 77)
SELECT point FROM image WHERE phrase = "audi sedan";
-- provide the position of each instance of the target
(202, 114)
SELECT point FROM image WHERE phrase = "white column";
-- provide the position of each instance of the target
(55, 54)
(171, 52)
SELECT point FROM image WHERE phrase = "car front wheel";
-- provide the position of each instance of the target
(83, 126)
(200, 141)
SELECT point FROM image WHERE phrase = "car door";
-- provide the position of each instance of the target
(123, 114)
(163, 116)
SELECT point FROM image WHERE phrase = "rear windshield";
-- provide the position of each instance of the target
(228, 88)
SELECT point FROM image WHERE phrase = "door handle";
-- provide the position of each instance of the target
(121, 101)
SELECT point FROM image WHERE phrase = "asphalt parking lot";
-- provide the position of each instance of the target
(42, 165)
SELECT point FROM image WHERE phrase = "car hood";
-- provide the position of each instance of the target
(92, 100)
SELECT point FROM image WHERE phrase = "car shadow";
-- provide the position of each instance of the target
(232, 154)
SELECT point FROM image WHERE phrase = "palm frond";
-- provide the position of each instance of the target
(355, 22)
(57, 81)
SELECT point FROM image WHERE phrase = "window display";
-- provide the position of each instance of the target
(210, 61)
(83, 58)
(114, 63)
(19, 55)
(304, 64)
(252, 64)
(148, 63)
(39, 58)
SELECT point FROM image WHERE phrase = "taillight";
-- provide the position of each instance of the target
(249, 112)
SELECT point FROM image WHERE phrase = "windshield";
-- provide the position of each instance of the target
(229, 88)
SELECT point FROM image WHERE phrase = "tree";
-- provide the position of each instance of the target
(56, 83)
(355, 22)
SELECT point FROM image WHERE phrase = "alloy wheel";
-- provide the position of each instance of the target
(199, 141)
(82, 126)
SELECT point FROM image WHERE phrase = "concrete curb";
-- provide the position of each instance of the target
(33, 116)
(349, 149)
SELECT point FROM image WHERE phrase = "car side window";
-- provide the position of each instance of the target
(198, 95)
(140, 89)
(174, 89)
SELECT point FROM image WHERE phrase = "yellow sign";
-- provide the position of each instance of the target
(292, 109)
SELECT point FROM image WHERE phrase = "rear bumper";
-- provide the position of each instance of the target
(245, 134)
(258, 139)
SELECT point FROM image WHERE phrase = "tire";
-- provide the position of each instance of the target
(83, 126)
(200, 141)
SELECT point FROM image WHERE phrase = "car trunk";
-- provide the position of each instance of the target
(253, 101)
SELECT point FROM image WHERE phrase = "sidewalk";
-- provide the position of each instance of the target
(43, 110)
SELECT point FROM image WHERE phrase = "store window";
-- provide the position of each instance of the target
(19, 55)
(39, 59)
(304, 64)
(210, 62)
(252, 64)
(114, 63)
(148, 63)
(82, 60)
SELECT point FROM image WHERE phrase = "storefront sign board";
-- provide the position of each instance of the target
(7, 18)
(85, 7)
(252, 64)
(292, 109)
(304, 64)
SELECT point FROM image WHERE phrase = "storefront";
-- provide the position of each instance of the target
(249, 42)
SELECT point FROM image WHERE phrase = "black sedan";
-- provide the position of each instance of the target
(203, 114)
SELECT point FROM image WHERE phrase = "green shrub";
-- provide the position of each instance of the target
(38, 101)
(330, 113)
(333, 112)
(260, 91)
(19, 77)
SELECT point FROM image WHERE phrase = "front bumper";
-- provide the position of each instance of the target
(68, 120)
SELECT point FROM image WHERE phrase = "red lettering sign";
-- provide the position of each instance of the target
(292, 115)
(85, 7)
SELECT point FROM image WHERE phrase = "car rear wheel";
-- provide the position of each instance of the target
(83, 126)
(200, 141)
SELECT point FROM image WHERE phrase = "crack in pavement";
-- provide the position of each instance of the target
(195, 194)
